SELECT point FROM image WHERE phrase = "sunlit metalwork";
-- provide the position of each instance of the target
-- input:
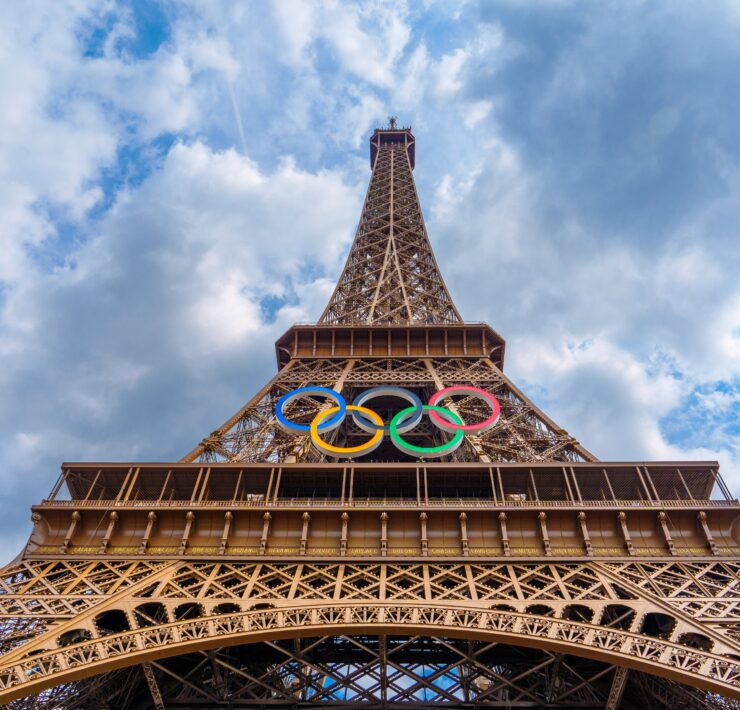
(262, 571)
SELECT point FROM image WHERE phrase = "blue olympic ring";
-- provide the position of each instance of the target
(328, 425)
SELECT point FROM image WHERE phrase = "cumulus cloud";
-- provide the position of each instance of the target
(118, 327)
(159, 318)
(604, 205)
(366, 40)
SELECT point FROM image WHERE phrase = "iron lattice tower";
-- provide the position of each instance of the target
(519, 571)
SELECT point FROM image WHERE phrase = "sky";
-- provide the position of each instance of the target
(181, 181)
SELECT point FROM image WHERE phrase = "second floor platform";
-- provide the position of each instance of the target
(398, 485)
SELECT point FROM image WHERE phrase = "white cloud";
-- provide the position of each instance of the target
(364, 111)
(476, 112)
(66, 115)
(369, 55)
(719, 402)
(610, 396)
(366, 40)
(166, 290)
(296, 22)
(54, 141)
(664, 122)
(448, 72)
(725, 333)
(650, 327)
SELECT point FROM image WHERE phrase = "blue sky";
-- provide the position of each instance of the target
(179, 182)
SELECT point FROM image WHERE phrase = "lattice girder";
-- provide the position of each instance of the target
(542, 599)
(516, 571)
(524, 433)
(19, 676)
(391, 275)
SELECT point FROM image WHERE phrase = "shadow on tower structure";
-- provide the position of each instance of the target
(388, 522)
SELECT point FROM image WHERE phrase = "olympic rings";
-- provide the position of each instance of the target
(371, 422)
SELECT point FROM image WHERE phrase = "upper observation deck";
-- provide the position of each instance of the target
(395, 136)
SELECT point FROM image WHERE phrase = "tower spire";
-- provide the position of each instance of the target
(391, 275)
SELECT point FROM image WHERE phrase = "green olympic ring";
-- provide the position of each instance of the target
(426, 451)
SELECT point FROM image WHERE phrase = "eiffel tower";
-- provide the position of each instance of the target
(335, 546)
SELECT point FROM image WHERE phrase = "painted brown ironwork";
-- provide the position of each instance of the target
(524, 433)
(391, 275)
(256, 572)
(700, 668)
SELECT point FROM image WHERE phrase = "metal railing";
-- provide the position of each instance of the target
(473, 552)
(464, 503)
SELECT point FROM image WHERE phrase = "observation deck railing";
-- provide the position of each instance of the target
(379, 503)
(552, 484)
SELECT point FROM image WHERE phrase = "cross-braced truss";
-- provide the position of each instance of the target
(524, 433)
(391, 275)
(134, 623)
(384, 672)
(633, 614)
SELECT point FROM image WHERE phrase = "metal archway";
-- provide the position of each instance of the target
(693, 667)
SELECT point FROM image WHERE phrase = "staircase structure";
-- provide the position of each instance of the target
(389, 522)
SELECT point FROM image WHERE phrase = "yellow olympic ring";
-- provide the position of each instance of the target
(341, 451)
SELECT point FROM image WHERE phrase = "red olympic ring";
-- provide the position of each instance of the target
(470, 391)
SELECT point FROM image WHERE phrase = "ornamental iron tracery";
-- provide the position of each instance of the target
(261, 571)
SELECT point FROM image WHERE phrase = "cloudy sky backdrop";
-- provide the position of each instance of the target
(180, 181)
